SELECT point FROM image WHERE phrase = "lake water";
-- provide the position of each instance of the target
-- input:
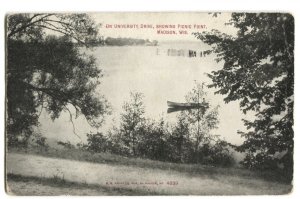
(149, 69)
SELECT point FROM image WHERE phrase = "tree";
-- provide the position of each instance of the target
(258, 70)
(199, 123)
(50, 72)
(32, 27)
(152, 142)
(132, 120)
(179, 140)
(202, 120)
(97, 142)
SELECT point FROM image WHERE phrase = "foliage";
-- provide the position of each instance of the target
(29, 27)
(180, 142)
(39, 141)
(153, 141)
(50, 72)
(191, 134)
(97, 142)
(258, 70)
(128, 41)
(132, 121)
(217, 152)
(66, 145)
(203, 120)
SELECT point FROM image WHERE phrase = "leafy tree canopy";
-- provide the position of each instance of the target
(258, 70)
(50, 72)
(80, 27)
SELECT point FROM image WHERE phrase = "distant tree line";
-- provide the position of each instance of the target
(110, 41)
(129, 42)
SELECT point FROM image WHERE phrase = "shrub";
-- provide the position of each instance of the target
(66, 145)
(39, 141)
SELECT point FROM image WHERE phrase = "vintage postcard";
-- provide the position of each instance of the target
(153, 103)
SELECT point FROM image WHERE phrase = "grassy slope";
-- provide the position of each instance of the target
(32, 185)
(210, 177)
(107, 158)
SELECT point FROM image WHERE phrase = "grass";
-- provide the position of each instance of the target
(28, 185)
(191, 169)
(31, 173)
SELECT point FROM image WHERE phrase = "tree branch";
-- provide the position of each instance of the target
(71, 120)
(27, 25)
(62, 32)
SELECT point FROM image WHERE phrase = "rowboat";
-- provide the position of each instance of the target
(175, 106)
(186, 105)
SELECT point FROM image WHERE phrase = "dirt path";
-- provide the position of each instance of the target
(140, 179)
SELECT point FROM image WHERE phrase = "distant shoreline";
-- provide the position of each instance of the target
(110, 41)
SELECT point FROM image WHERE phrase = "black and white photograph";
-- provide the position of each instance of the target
(149, 103)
